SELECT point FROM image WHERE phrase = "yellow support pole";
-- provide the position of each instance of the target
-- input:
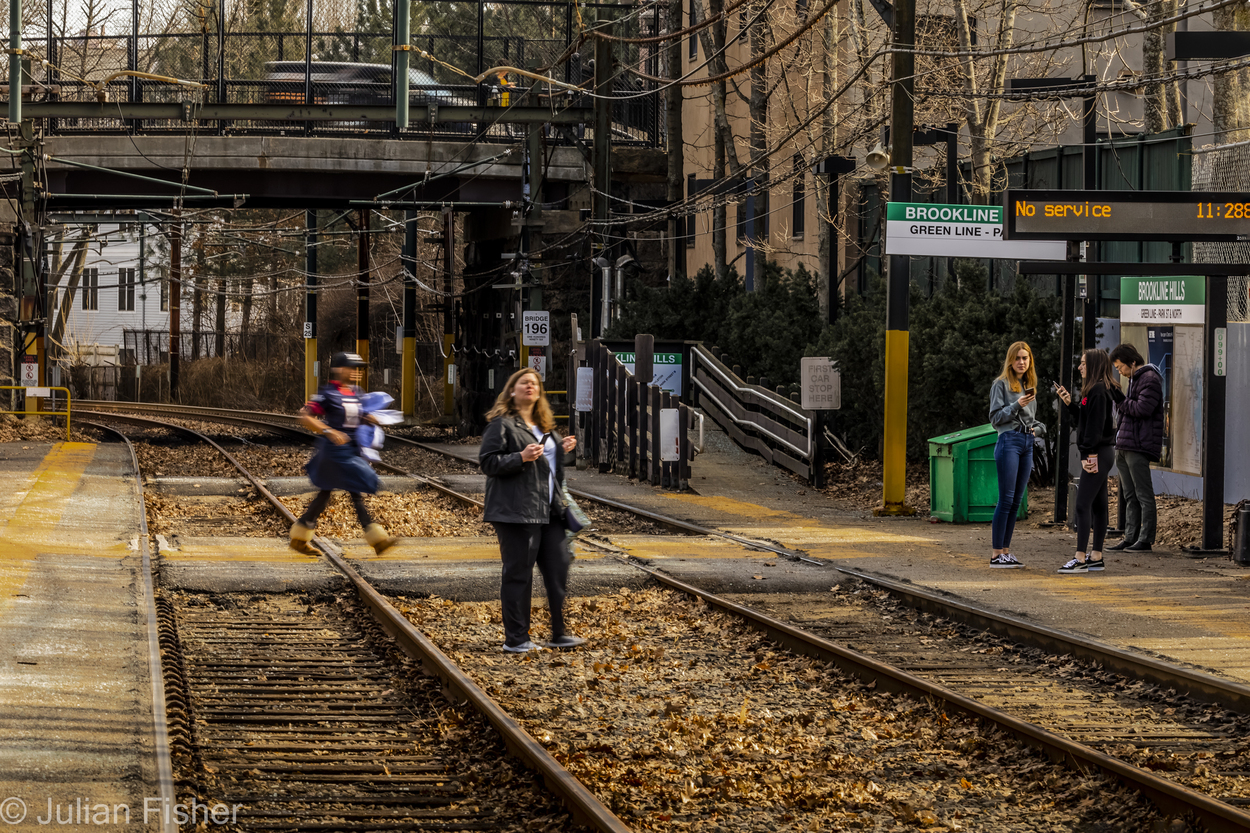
(362, 348)
(408, 376)
(894, 457)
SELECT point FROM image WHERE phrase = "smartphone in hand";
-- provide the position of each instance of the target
(1030, 391)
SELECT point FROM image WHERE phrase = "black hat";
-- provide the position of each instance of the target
(346, 360)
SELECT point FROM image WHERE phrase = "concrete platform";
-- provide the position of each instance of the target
(75, 706)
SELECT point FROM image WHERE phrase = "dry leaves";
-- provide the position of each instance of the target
(681, 720)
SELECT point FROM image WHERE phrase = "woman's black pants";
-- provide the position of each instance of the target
(1091, 502)
(521, 546)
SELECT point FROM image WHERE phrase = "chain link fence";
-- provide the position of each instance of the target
(1226, 168)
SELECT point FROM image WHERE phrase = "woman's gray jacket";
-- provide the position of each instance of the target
(1006, 414)
(516, 491)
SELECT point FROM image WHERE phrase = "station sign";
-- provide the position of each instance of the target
(666, 373)
(1127, 215)
(535, 328)
(30, 371)
(821, 384)
(1163, 301)
(933, 230)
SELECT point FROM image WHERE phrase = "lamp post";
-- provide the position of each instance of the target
(1066, 88)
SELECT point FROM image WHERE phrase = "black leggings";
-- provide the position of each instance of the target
(319, 503)
(1091, 502)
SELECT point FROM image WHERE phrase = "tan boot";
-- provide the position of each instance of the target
(379, 539)
(300, 536)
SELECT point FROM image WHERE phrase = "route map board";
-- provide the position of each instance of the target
(1127, 215)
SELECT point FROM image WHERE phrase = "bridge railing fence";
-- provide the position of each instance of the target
(756, 418)
(235, 63)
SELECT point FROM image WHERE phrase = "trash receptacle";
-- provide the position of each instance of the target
(963, 479)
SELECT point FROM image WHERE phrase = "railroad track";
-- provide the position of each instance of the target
(298, 722)
(1100, 728)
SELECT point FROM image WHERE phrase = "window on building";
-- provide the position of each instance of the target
(740, 208)
(694, 39)
(126, 290)
(691, 189)
(800, 196)
(90, 289)
(164, 293)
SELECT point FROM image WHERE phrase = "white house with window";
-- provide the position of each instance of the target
(122, 287)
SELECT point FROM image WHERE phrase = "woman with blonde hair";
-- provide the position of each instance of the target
(522, 458)
(1013, 413)
(1095, 439)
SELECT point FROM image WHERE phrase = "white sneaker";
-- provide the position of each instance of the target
(1074, 566)
(1006, 561)
(523, 648)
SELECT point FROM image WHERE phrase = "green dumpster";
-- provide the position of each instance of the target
(963, 480)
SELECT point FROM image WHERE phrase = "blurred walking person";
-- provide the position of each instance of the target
(1138, 443)
(1013, 413)
(334, 414)
(522, 458)
(1095, 440)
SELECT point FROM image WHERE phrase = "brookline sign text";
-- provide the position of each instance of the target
(959, 231)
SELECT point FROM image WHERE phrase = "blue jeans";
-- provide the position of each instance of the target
(1013, 456)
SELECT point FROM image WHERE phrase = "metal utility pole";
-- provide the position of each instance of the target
(449, 317)
(362, 297)
(902, 119)
(310, 304)
(175, 303)
(408, 367)
(602, 154)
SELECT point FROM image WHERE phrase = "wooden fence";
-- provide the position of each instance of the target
(621, 433)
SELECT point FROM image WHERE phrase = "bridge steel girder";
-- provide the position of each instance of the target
(289, 172)
(191, 112)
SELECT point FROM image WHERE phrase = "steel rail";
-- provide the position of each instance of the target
(580, 801)
(231, 416)
(275, 422)
(1196, 685)
(160, 717)
(1171, 797)
(1217, 816)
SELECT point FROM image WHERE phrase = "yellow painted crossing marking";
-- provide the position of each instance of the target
(734, 507)
(31, 527)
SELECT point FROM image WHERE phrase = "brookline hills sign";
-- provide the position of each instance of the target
(935, 230)
(1163, 301)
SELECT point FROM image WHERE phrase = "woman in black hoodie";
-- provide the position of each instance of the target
(1095, 439)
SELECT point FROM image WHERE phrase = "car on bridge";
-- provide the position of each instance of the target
(345, 83)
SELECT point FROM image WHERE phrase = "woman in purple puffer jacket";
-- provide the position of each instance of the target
(1138, 443)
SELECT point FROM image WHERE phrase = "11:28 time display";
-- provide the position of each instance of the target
(1230, 210)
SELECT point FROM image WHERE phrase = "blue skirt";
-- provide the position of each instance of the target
(340, 467)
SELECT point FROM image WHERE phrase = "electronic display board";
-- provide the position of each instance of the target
(1127, 215)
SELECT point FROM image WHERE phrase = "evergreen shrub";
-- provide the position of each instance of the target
(956, 345)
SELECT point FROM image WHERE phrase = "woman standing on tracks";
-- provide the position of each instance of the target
(334, 413)
(522, 460)
(1013, 413)
(1095, 439)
